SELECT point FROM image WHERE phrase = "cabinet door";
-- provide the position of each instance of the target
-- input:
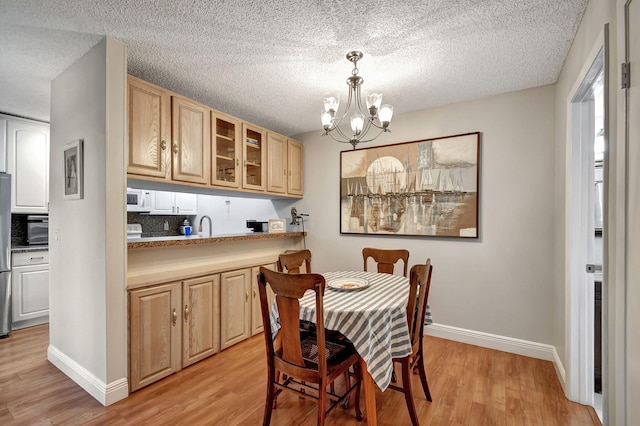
(154, 333)
(254, 156)
(256, 310)
(200, 318)
(295, 161)
(28, 163)
(149, 129)
(162, 202)
(235, 307)
(226, 150)
(30, 292)
(3, 145)
(191, 127)
(186, 203)
(276, 163)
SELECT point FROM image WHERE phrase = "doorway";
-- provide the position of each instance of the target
(586, 186)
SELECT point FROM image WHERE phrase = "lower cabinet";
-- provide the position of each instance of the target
(256, 311)
(154, 333)
(235, 309)
(201, 318)
(30, 289)
(176, 324)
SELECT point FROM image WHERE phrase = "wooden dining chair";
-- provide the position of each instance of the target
(420, 282)
(386, 259)
(292, 261)
(309, 362)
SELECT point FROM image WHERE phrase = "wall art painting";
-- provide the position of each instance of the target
(422, 188)
(73, 171)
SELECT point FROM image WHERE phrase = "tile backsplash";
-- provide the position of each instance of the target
(154, 225)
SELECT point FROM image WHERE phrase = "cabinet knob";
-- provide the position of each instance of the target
(186, 313)
(254, 293)
(284, 172)
(163, 144)
(246, 296)
(237, 162)
(175, 148)
(175, 317)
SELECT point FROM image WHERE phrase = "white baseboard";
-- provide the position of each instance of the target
(500, 343)
(106, 394)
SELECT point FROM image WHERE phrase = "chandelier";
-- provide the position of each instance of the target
(362, 120)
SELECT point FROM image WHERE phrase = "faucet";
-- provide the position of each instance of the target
(210, 225)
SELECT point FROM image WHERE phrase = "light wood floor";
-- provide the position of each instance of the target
(470, 386)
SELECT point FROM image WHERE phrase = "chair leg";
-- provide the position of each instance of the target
(423, 378)
(358, 372)
(322, 402)
(408, 391)
(271, 401)
(347, 384)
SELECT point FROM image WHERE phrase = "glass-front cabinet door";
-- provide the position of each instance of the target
(254, 150)
(226, 150)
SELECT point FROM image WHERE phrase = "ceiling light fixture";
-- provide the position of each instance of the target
(362, 120)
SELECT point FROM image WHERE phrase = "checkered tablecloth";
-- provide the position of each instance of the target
(373, 318)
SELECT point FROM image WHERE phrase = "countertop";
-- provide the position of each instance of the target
(182, 240)
(25, 249)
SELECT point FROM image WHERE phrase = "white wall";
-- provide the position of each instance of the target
(231, 217)
(500, 283)
(88, 261)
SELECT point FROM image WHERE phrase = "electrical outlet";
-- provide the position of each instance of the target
(165, 225)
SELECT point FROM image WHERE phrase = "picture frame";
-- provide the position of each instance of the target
(277, 226)
(73, 167)
(426, 188)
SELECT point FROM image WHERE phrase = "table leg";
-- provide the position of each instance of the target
(369, 394)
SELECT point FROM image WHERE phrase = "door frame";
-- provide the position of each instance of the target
(579, 301)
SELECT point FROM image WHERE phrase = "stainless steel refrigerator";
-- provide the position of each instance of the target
(5, 254)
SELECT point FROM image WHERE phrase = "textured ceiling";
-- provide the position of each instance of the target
(270, 62)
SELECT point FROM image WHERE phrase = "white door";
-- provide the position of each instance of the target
(632, 124)
(162, 202)
(580, 222)
(186, 203)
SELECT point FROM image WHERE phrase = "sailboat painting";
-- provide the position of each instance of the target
(421, 188)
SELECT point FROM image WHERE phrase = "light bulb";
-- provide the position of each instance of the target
(331, 103)
(327, 119)
(385, 114)
(373, 102)
(357, 123)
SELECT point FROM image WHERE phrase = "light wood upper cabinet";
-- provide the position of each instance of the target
(177, 140)
(226, 150)
(254, 156)
(276, 163)
(235, 311)
(295, 160)
(154, 333)
(191, 143)
(200, 318)
(149, 129)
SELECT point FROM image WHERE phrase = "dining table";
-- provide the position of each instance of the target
(369, 309)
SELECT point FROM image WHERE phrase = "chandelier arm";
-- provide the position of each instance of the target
(336, 124)
(336, 139)
(379, 133)
(341, 133)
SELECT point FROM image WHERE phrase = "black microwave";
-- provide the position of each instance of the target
(37, 230)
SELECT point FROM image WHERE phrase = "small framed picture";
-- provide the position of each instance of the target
(277, 225)
(73, 171)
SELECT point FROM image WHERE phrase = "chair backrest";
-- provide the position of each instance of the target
(288, 289)
(420, 282)
(386, 259)
(292, 261)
